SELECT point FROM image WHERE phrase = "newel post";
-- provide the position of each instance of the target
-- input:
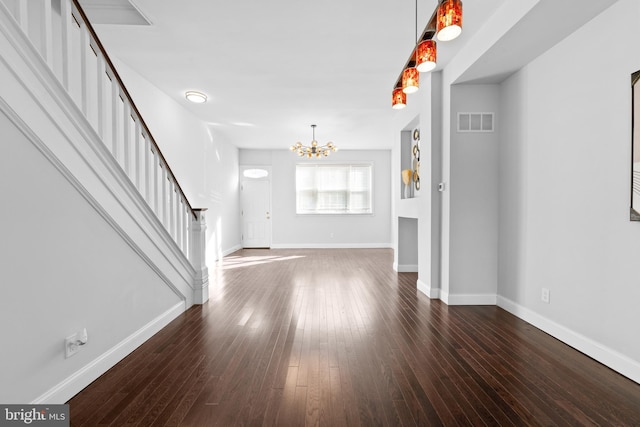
(198, 257)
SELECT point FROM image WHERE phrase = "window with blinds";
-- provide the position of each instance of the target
(333, 189)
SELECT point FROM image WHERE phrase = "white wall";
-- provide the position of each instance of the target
(292, 230)
(473, 186)
(205, 165)
(62, 268)
(80, 248)
(423, 111)
(564, 191)
(407, 245)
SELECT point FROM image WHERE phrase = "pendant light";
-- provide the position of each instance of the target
(426, 54)
(445, 24)
(410, 80)
(449, 21)
(399, 99)
(411, 75)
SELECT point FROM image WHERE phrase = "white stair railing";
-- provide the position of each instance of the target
(61, 33)
(67, 43)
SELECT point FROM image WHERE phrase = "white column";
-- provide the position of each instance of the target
(84, 73)
(179, 221)
(115, 119)
(171, 225)
(164, 198)
(126, 133)
(156, 185)
(22, 16)
(137, 161)
(186, 215)
(102, 97)
(148, 170)
(198, 257)
(67, 22)
(47, 33)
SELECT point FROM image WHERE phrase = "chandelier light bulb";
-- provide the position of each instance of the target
(314, 149)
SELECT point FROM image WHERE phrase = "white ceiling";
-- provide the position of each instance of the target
(272, 68)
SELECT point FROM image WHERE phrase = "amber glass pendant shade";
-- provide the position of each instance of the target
(449, 20)
(399, 99)
(410, 80)
(426, 54)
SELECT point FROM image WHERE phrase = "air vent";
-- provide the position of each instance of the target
(475, 122)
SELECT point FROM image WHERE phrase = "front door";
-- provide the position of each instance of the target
(256, 214)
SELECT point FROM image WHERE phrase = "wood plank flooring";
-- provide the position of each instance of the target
(337, 338)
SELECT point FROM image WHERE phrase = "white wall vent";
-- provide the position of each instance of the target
(475, 122)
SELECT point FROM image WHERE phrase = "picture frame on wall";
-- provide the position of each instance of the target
(635, 147)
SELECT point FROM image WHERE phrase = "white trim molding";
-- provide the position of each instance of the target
(618, 362)
(468, 299)
(433, 293)
(73, 384)
(406, 268)
(231, 250)
(331, 246)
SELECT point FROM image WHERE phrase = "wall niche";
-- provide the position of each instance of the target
(410, 162)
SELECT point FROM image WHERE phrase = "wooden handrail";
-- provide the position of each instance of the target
(125, 92)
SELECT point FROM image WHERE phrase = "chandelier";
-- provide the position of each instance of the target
(314, 150)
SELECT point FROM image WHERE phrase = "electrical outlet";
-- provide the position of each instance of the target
(73, 343)
(545, 295)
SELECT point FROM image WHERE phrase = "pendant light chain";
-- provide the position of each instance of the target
(416, 22)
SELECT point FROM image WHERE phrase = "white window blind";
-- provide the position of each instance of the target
(333, 189)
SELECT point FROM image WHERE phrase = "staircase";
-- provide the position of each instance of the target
(61, 35)
(144, 261)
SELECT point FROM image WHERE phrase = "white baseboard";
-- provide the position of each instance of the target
(71, 386)
(231, 250)
(433, 293)
(468, 299)
(331, 245)
(407, 268)
(611, 358)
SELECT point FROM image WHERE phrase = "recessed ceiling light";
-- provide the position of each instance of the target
(196, 97)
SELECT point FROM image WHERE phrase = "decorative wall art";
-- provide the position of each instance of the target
(635, 147)
(416, 158)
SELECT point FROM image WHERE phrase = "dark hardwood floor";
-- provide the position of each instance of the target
(336, 338)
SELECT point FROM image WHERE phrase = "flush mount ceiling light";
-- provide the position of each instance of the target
(445, 24)
(314, 150)
(196, 97)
